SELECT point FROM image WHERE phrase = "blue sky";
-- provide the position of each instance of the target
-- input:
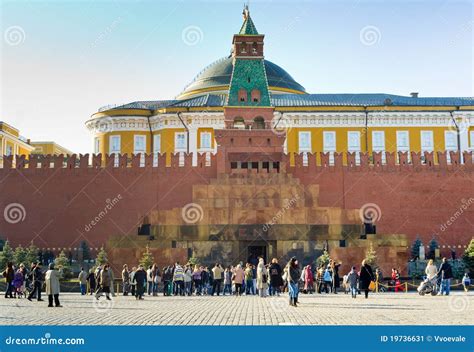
(68, 58)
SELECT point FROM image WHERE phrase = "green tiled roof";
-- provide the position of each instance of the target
(295, 100)
(248, 27)
(365, 99)
(249, 75)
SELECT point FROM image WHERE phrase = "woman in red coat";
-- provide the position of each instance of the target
(308, 279)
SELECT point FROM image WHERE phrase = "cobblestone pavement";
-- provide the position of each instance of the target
(340, 309)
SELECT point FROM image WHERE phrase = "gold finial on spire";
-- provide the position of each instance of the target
(246, 11)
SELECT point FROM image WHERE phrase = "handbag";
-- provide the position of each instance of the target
(372, 286)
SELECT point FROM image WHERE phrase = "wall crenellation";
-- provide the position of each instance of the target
(350, 161)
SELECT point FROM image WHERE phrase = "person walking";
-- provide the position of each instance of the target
(238, 277)
(105, 283)
(178, 280)
(320, 279)
(112, 281)
(156, 279)
(327, 277)
(52, 286)
(82, 277)
(227, 281)
(9, 275)
(293, 276)
(446, 273)
(37, 277)
(249, 289)
(396, 280)
(97, 275)
(308, 279)
(140, 280)
(133, 283)
(149, 280)
(335, 276)
(197, 280)
(276, 281)
(366, 277)
(125, 280)
(352, 279)
(92, 282)
(18, 281)
(216, 284)
(262, 278)
(431, 271)
(188, 280)
(466, 282)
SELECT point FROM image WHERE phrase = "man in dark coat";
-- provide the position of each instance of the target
(37, 277)
(366, 277)
(446, 274)
(140, 279)
(276, 280)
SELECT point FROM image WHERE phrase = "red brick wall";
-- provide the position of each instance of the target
(60, 202)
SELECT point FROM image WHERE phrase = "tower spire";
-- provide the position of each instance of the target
(248, 27)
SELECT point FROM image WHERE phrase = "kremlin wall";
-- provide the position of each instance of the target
(316, 205)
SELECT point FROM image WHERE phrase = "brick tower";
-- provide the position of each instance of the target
(249, 143)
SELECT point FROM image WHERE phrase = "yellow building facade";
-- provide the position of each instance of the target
(11, 143)
(313, 123)
(49, 148)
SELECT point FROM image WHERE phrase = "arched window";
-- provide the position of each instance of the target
(259, 123)
(239, 123)
(255, 96)
(254, 49)
(242, 95)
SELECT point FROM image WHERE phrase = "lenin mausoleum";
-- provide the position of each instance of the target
(244, 162)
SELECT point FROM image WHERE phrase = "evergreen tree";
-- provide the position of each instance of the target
(86, 253)
(62, 263)
(6, 255)
(468, 258)
(323, 259)
(147, 259)
(20, 256)
(193, 261)
(415, 248)
(371, 256)
(101, 257)
(41, 256)
(433, 245)
(32, 254)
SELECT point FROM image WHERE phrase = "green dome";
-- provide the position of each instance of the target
(217, 75)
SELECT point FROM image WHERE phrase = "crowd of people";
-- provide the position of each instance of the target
(261, 279)
(22, 282)
(185, 280)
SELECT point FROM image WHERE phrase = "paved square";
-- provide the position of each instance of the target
(340, 309)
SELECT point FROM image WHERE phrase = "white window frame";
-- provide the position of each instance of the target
(329, 148)
(380, 147)
(111, 144)
(96, 145)
(112, 150)
(176, 137)
(403, 135)
(308, 136)
(156, 148)
(142, 149)
(424, 148)
(451, 147)
(354, 148)
(207, 135)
